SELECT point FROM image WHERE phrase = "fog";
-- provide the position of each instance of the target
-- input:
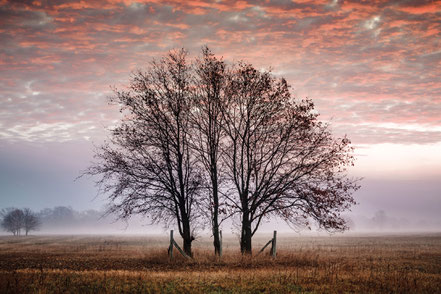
(67, 221)
(43, 178)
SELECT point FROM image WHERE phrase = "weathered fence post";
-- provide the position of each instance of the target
(174, 244)
(220, 247)
(273, 247)
(170, 248)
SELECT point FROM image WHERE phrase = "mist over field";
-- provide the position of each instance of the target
(62, 220)
(45, 177)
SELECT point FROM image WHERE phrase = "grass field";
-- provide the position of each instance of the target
(115, 264)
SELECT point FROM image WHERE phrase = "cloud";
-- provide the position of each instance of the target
(421, 7)
(363, 62)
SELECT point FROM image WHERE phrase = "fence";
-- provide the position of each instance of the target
(273, 243)
(173, 243)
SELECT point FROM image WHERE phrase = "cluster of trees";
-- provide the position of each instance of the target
(62, 217)
(15, 220)
(202, 140)
(58, 219)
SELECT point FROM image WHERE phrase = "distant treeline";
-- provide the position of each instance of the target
(60, 219)
(381, 221)
(59, 216)
(66, 220)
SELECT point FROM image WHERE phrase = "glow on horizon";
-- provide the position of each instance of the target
(398, 161)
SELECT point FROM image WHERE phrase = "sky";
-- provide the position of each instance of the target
(372, 69)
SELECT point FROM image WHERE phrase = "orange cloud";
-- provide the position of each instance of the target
(327, 52)
(432, 7)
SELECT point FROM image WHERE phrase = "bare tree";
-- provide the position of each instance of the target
(30, 221)
(206, 118)
(281, 160)
(225, 139)
(148, 167)
(13, 221)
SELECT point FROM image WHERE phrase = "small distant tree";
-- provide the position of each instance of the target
(13, 221)
(30, 221)
(7, 223)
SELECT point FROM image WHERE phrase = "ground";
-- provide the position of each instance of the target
(406, 263)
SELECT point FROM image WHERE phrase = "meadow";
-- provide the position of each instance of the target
(407, 263)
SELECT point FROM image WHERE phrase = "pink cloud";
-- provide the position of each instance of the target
(431, 7)
(362, 62)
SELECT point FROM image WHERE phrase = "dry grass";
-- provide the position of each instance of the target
(111, 264)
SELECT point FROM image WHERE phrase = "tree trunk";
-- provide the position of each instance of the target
(216, 241)
(245, 240)
(187, 247)
(215, 220)
(186, 235)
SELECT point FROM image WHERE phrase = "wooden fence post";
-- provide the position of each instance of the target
(170, 248)
(273, 247)
(220, 247)
(180, 250)
(174, 244)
